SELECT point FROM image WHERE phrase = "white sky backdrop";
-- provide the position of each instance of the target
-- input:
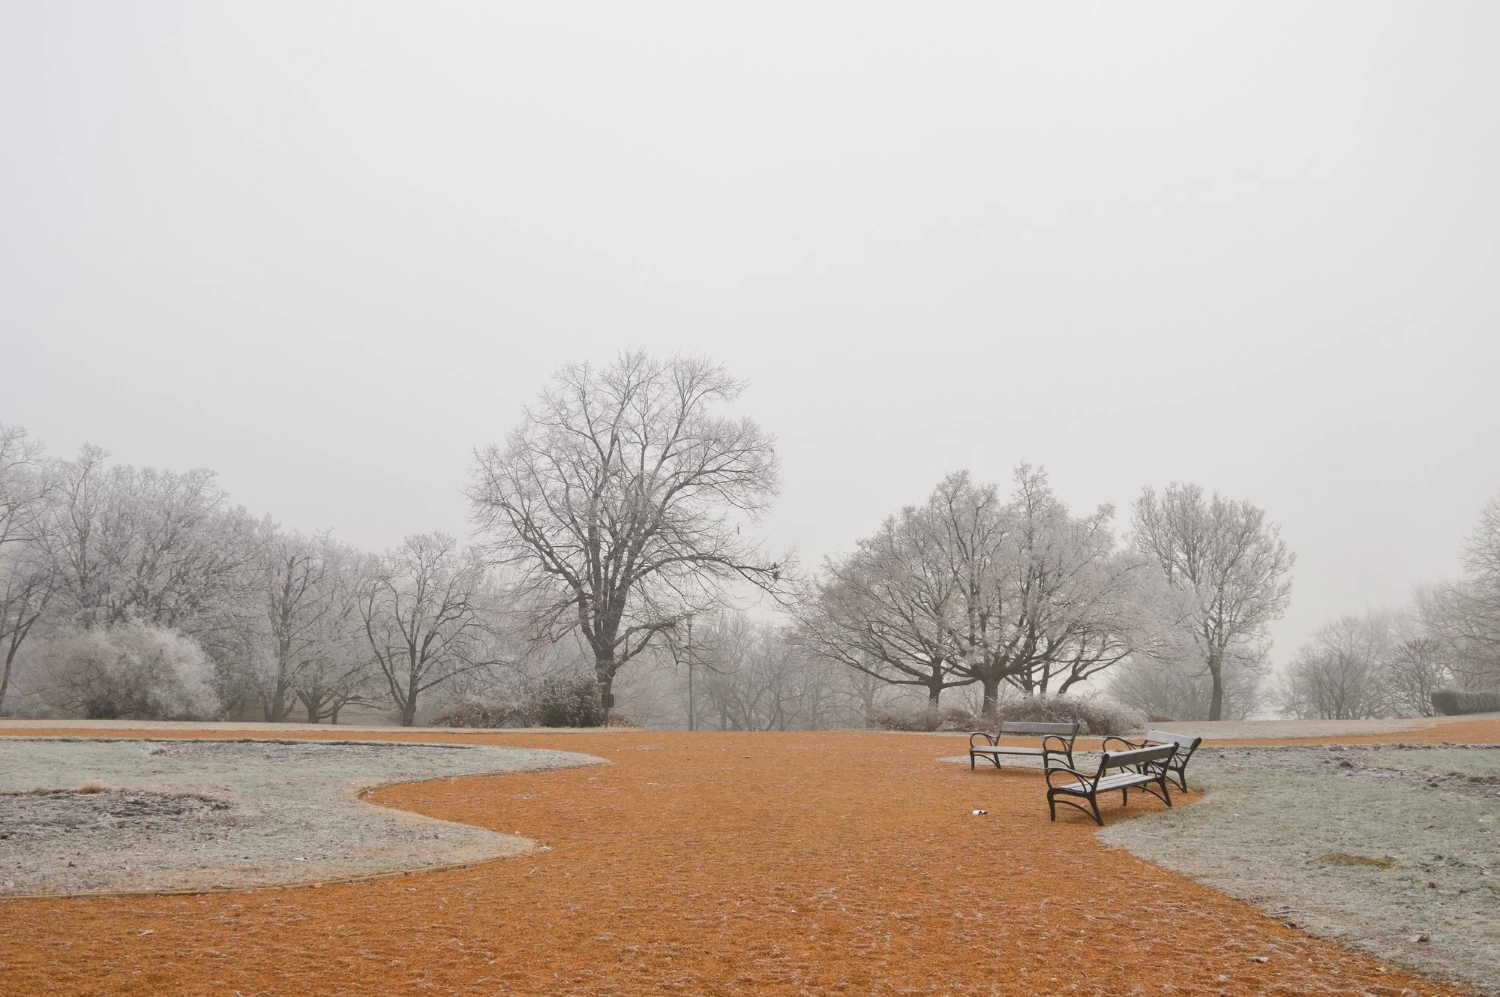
(328, 248)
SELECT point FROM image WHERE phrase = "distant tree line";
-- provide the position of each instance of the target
(616, 552)
(1398, 662)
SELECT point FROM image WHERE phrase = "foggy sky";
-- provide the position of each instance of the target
(327, 249)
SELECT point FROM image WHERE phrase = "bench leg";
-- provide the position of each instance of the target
(1166, 794)
(1098, 817)
(1052, 807)
(971, 761)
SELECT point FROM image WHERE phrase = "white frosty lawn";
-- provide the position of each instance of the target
(219, 813)
(1336, 840)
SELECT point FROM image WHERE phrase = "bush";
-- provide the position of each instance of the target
(1099, 717)
(927, 719)
(132, 670)
(475, 713)
(556, 702)
(1455, 702)
(569, 702)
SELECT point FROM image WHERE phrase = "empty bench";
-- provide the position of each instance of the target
(1057, 739)
(1123, 770)
(1186, 745)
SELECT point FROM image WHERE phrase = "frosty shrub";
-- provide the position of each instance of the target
(478, 713)
(569, 702)
(1099, 717)
(1453, 702)
(132, 670)
(954, 718)
(556, 702)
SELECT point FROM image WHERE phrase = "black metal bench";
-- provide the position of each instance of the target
(1057, 739)
(1143, 767)
(1186, 745)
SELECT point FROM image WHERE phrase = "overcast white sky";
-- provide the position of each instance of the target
(326, 249)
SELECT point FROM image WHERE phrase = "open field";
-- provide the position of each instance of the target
(1393, 850)
(713, 863)
(230, 813)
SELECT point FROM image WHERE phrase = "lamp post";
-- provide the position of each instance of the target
(692, 724)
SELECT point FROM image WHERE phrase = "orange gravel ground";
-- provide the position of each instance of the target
(839, 862)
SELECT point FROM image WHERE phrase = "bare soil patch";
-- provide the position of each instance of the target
(40, 815)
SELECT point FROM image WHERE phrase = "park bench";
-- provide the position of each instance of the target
(1057, 739)
(1122, 770)
(1186, 745)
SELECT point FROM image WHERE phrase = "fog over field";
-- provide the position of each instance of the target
(329, 250)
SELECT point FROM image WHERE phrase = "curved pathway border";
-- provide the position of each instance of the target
(285, 812)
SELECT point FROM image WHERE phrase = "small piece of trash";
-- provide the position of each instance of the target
(1259, 958)
(980, 813)
(143, 934)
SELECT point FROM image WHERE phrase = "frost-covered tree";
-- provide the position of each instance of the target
(884, 609)
(625, 502)
(1341, 674)
(27, 579)
(1229, 567)
(425, 610)
(312, 645)
(1047, 598)
(159, 546)
(970, 587)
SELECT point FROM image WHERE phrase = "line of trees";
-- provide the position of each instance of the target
(137, 592)
(1389, 662)
(624, 506)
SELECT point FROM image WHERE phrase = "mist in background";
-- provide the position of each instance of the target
(328, 250)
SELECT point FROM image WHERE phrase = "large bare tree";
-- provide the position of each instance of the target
(973, 588)
(1229, 566)
(624, 502)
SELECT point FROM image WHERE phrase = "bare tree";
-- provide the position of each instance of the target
(969, 588)
(623, 503)
(1167, 686)
(423, 608)
(883, 610)
(145, 544)
(1047, 599)
(1228, 563)
(1341, 673)
(27, 580)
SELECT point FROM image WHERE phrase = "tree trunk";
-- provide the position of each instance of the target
(1216, 675)
(604, 671)
(409, 712)
(606, 694)
(934, 692)
(991, 687)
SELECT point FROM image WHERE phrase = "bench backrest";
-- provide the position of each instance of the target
(1137, 756)
(1186, 743)
(1009, 728)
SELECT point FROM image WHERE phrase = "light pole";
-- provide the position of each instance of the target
(692, 724)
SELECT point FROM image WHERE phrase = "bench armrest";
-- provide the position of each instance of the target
(1129, 744)
(1066, 742)
(990, 739)
(1085, 779)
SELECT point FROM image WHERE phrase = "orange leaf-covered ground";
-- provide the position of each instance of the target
(711, 863)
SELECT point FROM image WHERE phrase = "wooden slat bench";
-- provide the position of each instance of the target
(1186, 745)
(1057, 739)
(1143, 767)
